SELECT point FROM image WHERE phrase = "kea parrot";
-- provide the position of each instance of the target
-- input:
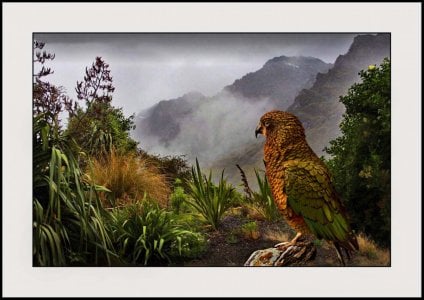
(301, 185)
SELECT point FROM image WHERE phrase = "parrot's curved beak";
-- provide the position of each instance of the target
(258, 130)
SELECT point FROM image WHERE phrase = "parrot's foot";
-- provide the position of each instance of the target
(284, 245)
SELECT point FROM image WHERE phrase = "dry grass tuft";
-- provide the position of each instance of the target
(129, 177)
(253, 211)
(370, 254)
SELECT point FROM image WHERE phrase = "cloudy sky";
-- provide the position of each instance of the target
(147, 68)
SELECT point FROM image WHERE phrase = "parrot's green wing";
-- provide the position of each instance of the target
(311, 195)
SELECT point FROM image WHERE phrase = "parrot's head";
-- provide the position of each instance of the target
(280, 126)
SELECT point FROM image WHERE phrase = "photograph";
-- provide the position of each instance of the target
(211, 149)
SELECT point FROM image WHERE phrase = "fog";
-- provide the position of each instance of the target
(147, 68)
(219, 126)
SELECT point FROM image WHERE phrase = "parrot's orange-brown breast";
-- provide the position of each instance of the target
(275, 173)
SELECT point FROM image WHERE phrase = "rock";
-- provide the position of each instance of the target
(293, 255)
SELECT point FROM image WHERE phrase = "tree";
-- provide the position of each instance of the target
(100, 126)
(48, 99)
(361, 157)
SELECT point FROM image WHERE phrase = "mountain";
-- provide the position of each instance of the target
(280, 79)
(318, 107)
(181, 125)
(219, 130)
(163, 119)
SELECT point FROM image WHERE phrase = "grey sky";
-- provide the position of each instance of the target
(147, 68)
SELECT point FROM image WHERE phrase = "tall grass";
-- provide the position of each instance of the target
(209, 200)
(129, 178)
(67, 215)
(263, 199)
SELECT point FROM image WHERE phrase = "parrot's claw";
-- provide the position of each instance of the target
(284, 245)
(281, 244)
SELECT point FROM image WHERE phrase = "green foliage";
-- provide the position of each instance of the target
(192, 246)
(209, 200)
(144, 233)
(70, 225)
(361, 157)
(237, 199)
(178, 197)
(250, 226)
(250, 230)
(101, 128)
(67, 216)
(263, 199)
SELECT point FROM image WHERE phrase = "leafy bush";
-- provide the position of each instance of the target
(174, 167)
(100, 127)
(144, 233)
(209, 200)
(129, 178)
(361, 157)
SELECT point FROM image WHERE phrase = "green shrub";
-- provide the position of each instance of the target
(361, 157)
(100, 128)
(209, 200)
(250, 230)
(174, 167)
(192, 246)
(144, 233)
(178, 197)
